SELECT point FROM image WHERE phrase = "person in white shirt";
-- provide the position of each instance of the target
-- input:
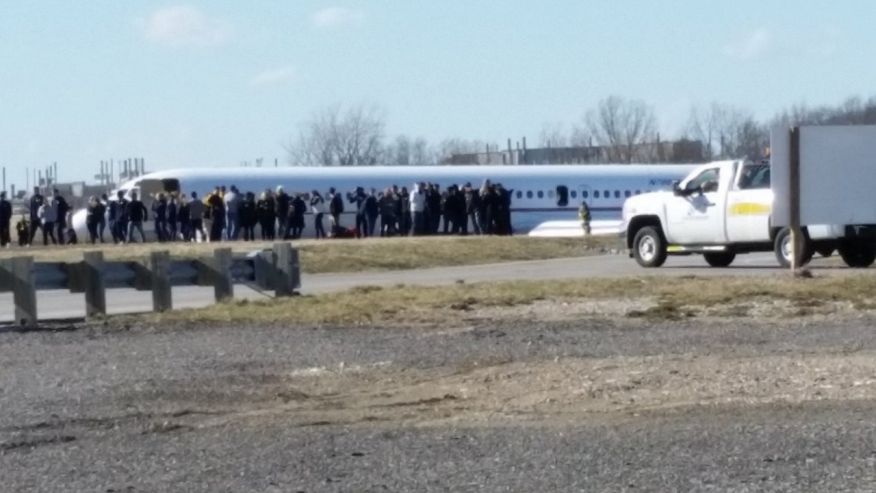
(418, 208)
(319, 208)
(232, 218)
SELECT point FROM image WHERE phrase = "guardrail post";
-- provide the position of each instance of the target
(95, 289)
(285, 269)
(223, 285)
(24, 291)
(162, 298)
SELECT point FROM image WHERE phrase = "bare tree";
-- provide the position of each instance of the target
(726, 132)
(421, 153)
(405, 151)
(448, 147)
(335, 138)
(553, 135)
(399, 152)
(853, 111)
(580, 136)
(621, 126)
(751, 139)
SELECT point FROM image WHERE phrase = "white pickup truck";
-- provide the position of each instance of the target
(722, 209)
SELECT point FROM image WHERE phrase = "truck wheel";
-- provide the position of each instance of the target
(649, 247)
(782, 248)
(719, 259)
(857, 253)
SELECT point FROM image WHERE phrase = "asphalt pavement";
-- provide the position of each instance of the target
(58, 305)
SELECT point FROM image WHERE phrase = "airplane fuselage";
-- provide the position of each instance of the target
(540, 193)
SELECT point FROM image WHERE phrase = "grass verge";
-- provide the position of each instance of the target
(670, 298)
(363, 255)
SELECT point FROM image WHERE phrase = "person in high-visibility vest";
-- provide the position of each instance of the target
(584, 217)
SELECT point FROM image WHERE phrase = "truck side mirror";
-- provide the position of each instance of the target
(677, 189)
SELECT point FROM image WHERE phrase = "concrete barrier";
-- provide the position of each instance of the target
(277, 269)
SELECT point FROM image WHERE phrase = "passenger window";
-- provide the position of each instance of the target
(638, 192)
(540, 194)
(627, 193)
(755, 177)
(606, 194)
(617, 194)
(574, 194)
(519, 194)
(529, 194)
(585, 194)
(595, 194)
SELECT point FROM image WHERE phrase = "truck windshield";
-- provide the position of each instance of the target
(755, 176)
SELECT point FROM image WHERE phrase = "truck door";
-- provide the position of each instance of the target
(749, 204)
(695, 215)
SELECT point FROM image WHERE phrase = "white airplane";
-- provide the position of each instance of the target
(545, 198)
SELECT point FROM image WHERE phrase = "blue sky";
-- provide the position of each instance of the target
(216, 83)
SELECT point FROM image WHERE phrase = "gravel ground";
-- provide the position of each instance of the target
(590, 404)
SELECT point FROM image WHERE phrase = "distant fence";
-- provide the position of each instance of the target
(276, 269)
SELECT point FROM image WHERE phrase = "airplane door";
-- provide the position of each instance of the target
(695, 216)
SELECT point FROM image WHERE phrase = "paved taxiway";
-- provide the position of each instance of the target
(55, 305)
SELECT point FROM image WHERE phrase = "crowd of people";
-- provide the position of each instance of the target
(227, 214)
(50, 216)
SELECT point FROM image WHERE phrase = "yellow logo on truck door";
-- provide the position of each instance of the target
(749, 209)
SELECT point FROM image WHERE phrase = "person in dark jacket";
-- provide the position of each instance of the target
(61, 208)
(266, 209)
(247, 215)
(504, 210)
(388, 205)
(172, 208)
(101, 221)
(489, 205)
(336, 208)
(372, 211)
(159, 217)
(282, 201)
(118, 221)
(5, 220)
(216, 207)
(136, 213)
(405, 221)
(184, 218)
(359, 198)
(472, 209)
(92, 218)
(297, 210)
(36, 202)
(22, 228)
(433, 208)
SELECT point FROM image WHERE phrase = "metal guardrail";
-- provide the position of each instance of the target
(276, 269)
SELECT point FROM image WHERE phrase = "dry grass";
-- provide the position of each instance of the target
(672, 298)
(362, 255)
